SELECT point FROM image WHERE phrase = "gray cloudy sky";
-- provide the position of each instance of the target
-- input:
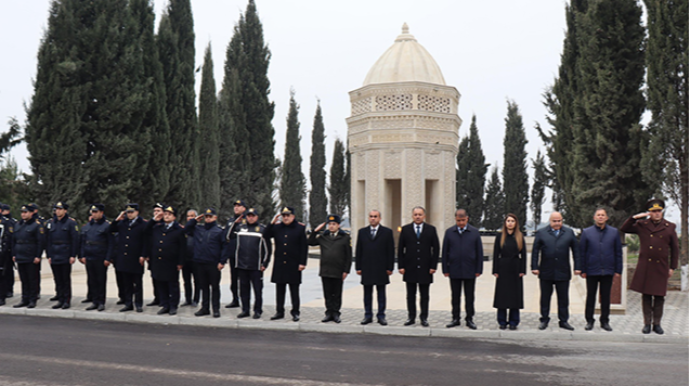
(490, 51)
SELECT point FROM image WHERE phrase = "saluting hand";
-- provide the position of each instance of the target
(199, 217)
(238, 219)
(318, 228)
(121, 216)
(641, 215)
(275, 219)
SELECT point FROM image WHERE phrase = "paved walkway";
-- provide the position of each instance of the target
(626, 327)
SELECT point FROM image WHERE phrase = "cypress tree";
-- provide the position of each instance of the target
(666, 160)
(338, 187)
(607, 136)
(85, 124)
(515, 178)
(209, 139)
(317, 172)
(471, 174)
(541, 180)
(292, 187)
(176, 44)
(250, 115)
(494, 203)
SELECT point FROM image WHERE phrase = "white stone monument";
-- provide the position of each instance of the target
(403, 139)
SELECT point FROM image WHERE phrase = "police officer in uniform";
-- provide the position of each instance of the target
(9, 222)
(62, 249)
(96, 253)
(166, 257)
(191, 284)
(128, 256)
(239, 207)
(210, 255)
(252, 255)
(290, 260)
(658, 258)
(157, 212)
(28, 244)
(6, 264)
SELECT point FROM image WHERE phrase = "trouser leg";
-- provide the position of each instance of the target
(174, 291)
(590, 303)
(64, 273)
(121, 287)
(187, 272)
(280, 297)
(647, 308)
(137, 281)
(368, 300)
(411, 292)
(328, 294)
(381, 300)
(128, 287)
(163, 293)
(215, 287)
(54, 268)
(562, 288)
(294, 298)
(234, 280)
(101, 278)
(657, 309)
(456, 291)
(244, 277)
(605, 284)
(514, 317)
(257, 280)
(546, 287)
(205, 284)
(468, 285)
(91, 280)
(424, 301)
(501, 316)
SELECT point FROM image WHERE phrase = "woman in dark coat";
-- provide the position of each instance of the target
(509, 266)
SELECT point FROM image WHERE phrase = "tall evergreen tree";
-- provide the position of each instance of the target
(471, 174)
(177, 53)
(247, 113)
(541, 180)
(515, 178)
(292, 185)
(607, 136)
(85, 124)
(317, 172)
(666, 161)
(209, 139)
(338, 188)
(494, 203)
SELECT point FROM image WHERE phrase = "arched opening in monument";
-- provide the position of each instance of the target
(392, 212)
(433, 197)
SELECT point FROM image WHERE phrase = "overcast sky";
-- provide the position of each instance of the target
(491, 51)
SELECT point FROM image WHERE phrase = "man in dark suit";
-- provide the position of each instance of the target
(374, 261)
(418, 251)
(128, 257)
(463, 263)
(555, 242)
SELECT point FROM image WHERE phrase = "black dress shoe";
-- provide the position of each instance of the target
(243, 314)
(65, 306)
(657, 328)
(195, 304)
(471, 324)
(513, 327)
(295, 318)
(185, 304)
(216, 313)
(9, 295)
(425, 323)
(409, 322)
(543, 325)
(566, 326)
(21, 304)
(139, 309)
(2, 302)
(173, 311)
(54, 298)
(120, 302)
(127, 308)
(453, 323)
(155, 302)
(327, 318)
(336, 318)
(366, 321)
(163, 310)
(101, 307)
(87, 300)
(647, 329)
(503, 326)
(277, 315)
(257, 315)
(57, 305)
(382, 321)
(33, 305)
(606, 326)
(234, 304)
(589, 326)
(202, 312)
(93, 306)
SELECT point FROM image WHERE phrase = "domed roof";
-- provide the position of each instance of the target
(405, 61)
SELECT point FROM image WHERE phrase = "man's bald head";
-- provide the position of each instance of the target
(556, 221)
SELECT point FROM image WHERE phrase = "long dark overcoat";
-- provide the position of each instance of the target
(417, 256)
(129, 245)
(375, 256)
(168, 247)
(509, 263)
(290, 251)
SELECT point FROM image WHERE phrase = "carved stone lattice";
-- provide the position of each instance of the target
(433, 103)
(361, 106)
(394, 102)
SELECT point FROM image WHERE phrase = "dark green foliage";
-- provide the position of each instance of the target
(471, 174)
(493, 203)
(13, 189)
(86, 124)
(246, 115)
(176, 52)
(209, 138)
(665, 162)
(515, 178)
(338, 188)
(317, 172)
(292, 184)
(541, 180)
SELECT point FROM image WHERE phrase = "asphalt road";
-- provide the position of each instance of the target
(45, 351)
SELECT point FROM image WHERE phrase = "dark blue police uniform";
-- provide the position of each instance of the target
(166, 254)
(27, 246)
(96, 247)
(129, 247)
(62, 243)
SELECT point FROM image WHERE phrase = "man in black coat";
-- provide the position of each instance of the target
(62, 249)
(462, 262)
(290, 260)
(8, 222)
(96, 253)
(28, 244)
(335, 264)
(554, 243)
(128, 255)
(157, 211)
(374, 261)
(191, 283)
(239, 207)
(418, 252)
(166, 256)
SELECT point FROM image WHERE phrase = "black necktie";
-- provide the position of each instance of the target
(373, 232)
(418, 231)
